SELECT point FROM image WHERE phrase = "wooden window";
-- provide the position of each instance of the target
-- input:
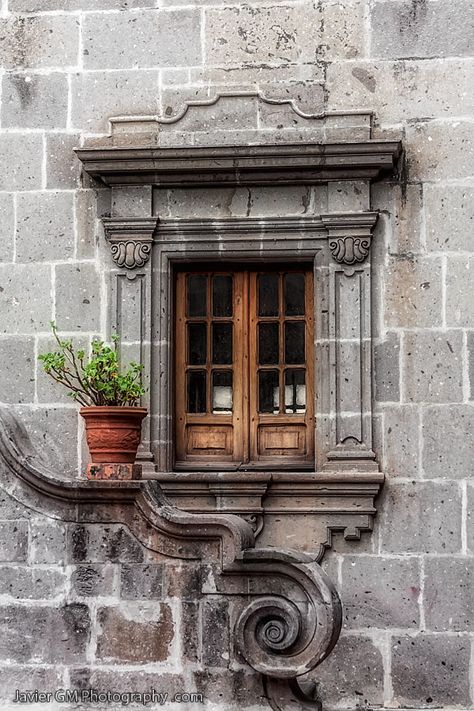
(244, 369)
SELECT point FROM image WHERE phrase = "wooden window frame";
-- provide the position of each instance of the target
(246, 439)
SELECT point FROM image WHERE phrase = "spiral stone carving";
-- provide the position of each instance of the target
(130, 254)
(349, 250)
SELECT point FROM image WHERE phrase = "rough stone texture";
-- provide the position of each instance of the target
(68, 66)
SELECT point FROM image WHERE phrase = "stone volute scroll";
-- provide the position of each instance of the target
(187, 189)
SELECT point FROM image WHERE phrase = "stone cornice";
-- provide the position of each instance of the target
(205, 166)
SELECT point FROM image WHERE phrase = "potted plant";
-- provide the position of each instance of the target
(109, 398)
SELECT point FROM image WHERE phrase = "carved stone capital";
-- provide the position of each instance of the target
(130, 240)
(349, 250)
(350, 236)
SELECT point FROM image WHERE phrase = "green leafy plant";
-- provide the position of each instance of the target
(96, 380)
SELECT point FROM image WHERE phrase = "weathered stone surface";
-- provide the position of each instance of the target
(10, 508)
(88, 230)
(17, 382)
(402, 90)
(145, 39)
(470, 351)
(62, 166)
(431, 365)
(140, 633)
(352, 675)
(184, 581)
(430, 671)
(459, 281)
(23, 583)
(45, 226)
(287, 34)
(78, 297)
(20, 309)
(380, 592)
(413, 291)
(27, 633)
(47, 541)
(437, 151)
(421, 517)
(343, 29)
(139, 581)
(448, 597)
(13, 541)
(96, 96)
(449, 218)
(21, 157)
(7, 222)
(215, 633)
(400, 441)
(230, 687)
(387, 368)
(93, 580)
(25, 678)
(448, 444)
(40, 42)
(34, 101)
(88, 544)
(426, 29)
(470, 517)
(68, 5)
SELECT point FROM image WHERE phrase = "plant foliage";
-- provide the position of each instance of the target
(96, 380)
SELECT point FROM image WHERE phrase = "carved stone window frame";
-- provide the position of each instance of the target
(339, 494)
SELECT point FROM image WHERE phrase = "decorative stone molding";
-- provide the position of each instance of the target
(130, 240)
(349, 250)
(289, 622)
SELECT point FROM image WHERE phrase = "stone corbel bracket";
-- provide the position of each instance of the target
(130, 240)
(286, 625)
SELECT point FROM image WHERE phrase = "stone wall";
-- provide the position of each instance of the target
(68, 65)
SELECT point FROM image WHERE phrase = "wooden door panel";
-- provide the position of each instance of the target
(282, 440)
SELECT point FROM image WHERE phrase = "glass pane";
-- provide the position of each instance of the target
(294, 294)
(197, 295)
(197, 343)
(222, 295)
(222, 343)
(268, 346)
(268, 304)
(295, 391)
(268, 391)
(294, 342)
(222, 392)
(196, 391)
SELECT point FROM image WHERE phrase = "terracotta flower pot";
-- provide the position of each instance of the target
(113, 433)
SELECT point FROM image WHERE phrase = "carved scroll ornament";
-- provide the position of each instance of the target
(289, 623)
(130, 240)
(349, 250)
(130, 254)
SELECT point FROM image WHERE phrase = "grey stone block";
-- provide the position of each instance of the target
(21, 160)
(93, 580)
(21, 311)
(26, 678)
(439, 151)
(420, 517)
(402, 90)
(448, 443)
(34, 101)
(17, 381)
(352, 675)
(387, 368)
(39, 41)
(146, 39)
(68, 5)
(413, 291)
(47, 542)
(96, 96)
(78, 297)
(62, 166)
(251, 35)
(22, 583)
(431, 365)
(380, 592)
(26, 633)
(449, 215)
(141, 581)
(10, 508)
(400, 441)
(87, 228)
(13, 541)
(424, 29)
(470, 350)
(132, 201)
(7, 226)
(215, 633)
(111, 543)
(459, 281)
(431, 671)
(470, 517)
(343, 29)
(448, 594)
(45, 226)
(348, 196)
